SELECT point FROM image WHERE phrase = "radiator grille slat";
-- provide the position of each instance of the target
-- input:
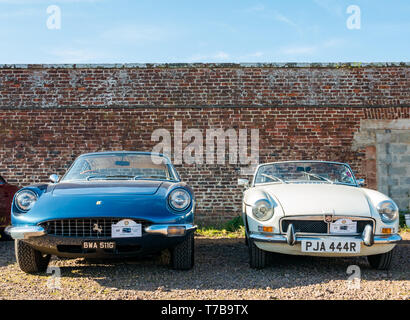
(85, 228)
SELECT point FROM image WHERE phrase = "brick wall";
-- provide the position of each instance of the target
(51, 114)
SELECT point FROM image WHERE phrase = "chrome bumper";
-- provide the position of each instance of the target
(164, 229)
(388, 239)
(27, 232)
(291, 238)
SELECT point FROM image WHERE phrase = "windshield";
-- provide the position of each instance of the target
(120, 166)
(321, 172)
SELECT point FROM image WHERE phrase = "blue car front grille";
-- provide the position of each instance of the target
(85, 228)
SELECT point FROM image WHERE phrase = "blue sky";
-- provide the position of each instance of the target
(140, 31)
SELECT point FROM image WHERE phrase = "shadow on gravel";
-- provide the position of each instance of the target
(222, 264)
(6, 252)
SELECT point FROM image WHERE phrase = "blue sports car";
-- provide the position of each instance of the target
(108, 204)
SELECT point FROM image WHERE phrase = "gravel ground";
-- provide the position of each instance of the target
(221, 272)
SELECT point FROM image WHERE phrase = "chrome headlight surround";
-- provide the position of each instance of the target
(388, 211)
(179, 199)
(25, 200)
(262, 210)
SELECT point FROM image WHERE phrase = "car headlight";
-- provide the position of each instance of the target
(262, 210)
(388, 211)
(25, 200)
(179, 199)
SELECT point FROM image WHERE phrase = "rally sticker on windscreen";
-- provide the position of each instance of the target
(126, 228)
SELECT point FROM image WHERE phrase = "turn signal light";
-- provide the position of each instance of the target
(176, 231)
(267, 229)
(387, 230)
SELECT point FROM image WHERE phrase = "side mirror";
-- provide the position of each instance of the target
(54, 178)
(243, 182)
(360, 182)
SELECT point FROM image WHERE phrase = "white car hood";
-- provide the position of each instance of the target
(305, 199)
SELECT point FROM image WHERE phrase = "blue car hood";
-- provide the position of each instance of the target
(125, 199)
(106, 188)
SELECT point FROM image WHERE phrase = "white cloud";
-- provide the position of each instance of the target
(281, 18)
(74, 55)
(299, 50)
(250, 57)
(308, 50)
(256, 54)
(332, 6)
(266, 13)
(214, 57)
(222, 56)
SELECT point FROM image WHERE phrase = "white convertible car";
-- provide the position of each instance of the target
(317, 208)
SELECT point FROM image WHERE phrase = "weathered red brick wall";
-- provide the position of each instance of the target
(190, 85)
(51, 114)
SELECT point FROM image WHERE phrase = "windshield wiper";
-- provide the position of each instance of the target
(272, 177)
(121, 177)
(150, 177)
(318, 177)
(95, 177)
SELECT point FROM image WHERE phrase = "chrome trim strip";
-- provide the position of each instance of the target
(26, 232)
(394, 238)
(320, 217)
(163, 228)
(278, 238)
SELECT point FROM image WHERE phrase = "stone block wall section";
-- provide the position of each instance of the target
(387, 144)
(50, 114)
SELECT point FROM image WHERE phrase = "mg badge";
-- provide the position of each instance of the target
(328, 218)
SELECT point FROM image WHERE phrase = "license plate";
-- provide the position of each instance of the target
(99, 245)
(332, 246)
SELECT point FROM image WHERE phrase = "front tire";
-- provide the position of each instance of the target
(182, 255)
(29, 259)
(257, 257)
(381, 261)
